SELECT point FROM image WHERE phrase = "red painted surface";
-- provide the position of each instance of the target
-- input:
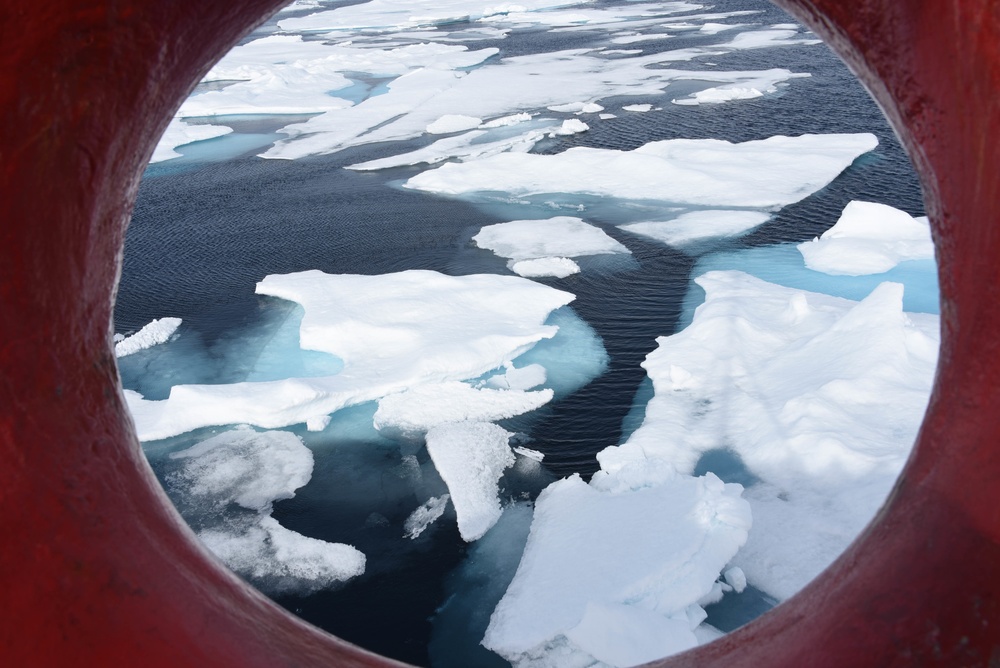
(96, 568)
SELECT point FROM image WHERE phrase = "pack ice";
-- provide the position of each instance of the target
(393, 332)
(764, 174)
(818, 397)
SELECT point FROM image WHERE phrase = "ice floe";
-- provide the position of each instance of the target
(179, 133)
(820, 398)
(425, 515)
(471, 457)
(869, 238)
(542, 247)
(764, 174)
(156, 332)
(649, 547)
(392, 332)
(699, 225)
(251, 470)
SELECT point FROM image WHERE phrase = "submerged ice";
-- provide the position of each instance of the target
(227, 485)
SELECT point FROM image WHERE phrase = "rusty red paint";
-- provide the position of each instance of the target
(96, 568)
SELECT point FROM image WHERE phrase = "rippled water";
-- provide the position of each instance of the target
(204, 232)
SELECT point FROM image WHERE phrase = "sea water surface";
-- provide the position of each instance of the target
(208, 226)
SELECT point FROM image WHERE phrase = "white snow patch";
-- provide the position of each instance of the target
(154, 333)
(526, 378)
(869, 238)
(471, 457)
(570, 126)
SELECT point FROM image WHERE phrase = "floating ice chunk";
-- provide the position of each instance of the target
(819, 397)
(471, 457)
(624, 635)
(766, 174)
(668, 538)
(759, 39)
(869, 238)
(562, 236)
(418, 409)
(525, 378)
(282, 561)
(720, 94)
(529, 453)
(605, 117)
(156, 332)
(736, 579)
(555, 267)
(570, 126)
(244, 467)
(504, 121)
(577, 108)
(640, 108)
(425, 515)
(252, 470)
(179, 133)
(393, 332)
(716, 28)
(699, 225)
(453, 123)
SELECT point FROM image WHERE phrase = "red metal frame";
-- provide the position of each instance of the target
(96, 568)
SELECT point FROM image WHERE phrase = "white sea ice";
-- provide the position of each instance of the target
(179, 133)
(869, 238)
(471, 457)
(425, 515)
(453, 123)
(554, 267)
(392, 332)
(699, 225)
(819, 397)
(764, 174)
(509, 86)
(553, 238)
(252, 470)
(640, 108)
(527, 377)
(720, 94)
(649, 547)
(404, 14)
(156, 332)
(416, 410)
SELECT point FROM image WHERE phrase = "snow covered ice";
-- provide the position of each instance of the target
(765, 174)
(471, 457)
(179, 133)
(252, 470)
(392, 332)
(819, 397)
(648, 544)
(869, 238)
(553, 241)
(156, 332)
(699, 225)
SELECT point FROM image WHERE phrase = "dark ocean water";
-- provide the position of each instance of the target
(203, 233)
